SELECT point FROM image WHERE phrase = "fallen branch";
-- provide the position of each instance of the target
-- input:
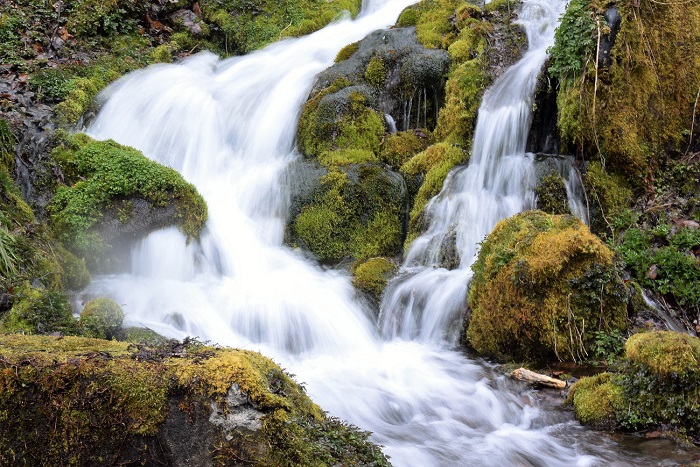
(523, 374)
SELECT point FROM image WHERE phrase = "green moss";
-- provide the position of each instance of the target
(375, 75)
(660, 382)
(358, 217)
(665, 353)
(613, 113)
(139, 335)
(609, 197)
(433, 164)
(80, 401)
(677, 271)
(75, 274)
(464, 89)
(339, 118)
(398, 148)
(372, 275)
(342, 157)
(347, 52)
(102, 172)
(162, 54)
(551, 195)
(597, 400)
(542, 286)
(574, 40)
(38, 311)
(101, 318)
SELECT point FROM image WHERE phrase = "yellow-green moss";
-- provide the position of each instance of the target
(551, 195)
(347, 52)
(665, 352)
(596, 400)
(38, 311)
(75, 274)
(349, 156)
(375, 75)
(398, 148)
(80, 401)
(433, 164)
(101, 318)
(640, 108)
(542, 286)
(372, 275)
(359, 218)
(162, 54)
(339, 119)
(609, 196)
(102, 172)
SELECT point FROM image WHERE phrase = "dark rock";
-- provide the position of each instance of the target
(607, 41)
(413, 73)
(187, 19)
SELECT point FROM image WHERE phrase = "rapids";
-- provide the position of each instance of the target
(228, 126)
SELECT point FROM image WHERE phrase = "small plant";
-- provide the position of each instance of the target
(608, 345)
(573, 40)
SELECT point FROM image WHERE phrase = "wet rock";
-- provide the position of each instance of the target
(187, 19)
(412, 73)
(607, 41)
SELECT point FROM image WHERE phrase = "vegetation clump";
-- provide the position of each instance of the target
(551, 195)
(372, 276)
(80, 401)
(356, 213)
(657, 386)
(543, 285)
(101, 318)
(37, 310)
(101, 173)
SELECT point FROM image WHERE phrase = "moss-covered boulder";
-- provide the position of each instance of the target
(658, 385)
(85, 401)
(551, 196)
(406, 79)
(542, 286)
(371, 276)
(113, 193)
(357, 212)
(596, 401)
(101, 318)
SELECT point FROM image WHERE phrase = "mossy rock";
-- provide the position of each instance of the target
(431, 168)
(543, 285)
(398, 148)
(635, 112)
(103, 177)
(357, 212)
(37, 310)
(372, 275)
(80, 401)
(665, 353)
(101, 318)
(551, 196)
(597, 400)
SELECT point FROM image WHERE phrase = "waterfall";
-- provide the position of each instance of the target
(426, 301)
(228, 126)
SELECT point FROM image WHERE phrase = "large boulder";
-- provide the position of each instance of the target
(543, 285)
(83, 401)
(113, 195)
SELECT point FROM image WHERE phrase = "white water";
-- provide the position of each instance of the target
(228, 127)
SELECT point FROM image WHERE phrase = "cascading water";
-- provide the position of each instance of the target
(228, 126)
(426, 300)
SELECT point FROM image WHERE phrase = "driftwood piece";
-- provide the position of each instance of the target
(531, 377)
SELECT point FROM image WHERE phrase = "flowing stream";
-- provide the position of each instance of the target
(228, 126)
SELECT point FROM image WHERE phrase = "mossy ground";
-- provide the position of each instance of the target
(99, 174)
(87, 401)
(542, 286)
